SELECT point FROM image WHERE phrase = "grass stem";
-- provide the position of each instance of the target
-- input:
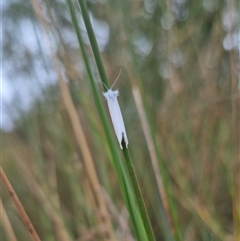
(138, 194)
(94, 44)
(19, 206)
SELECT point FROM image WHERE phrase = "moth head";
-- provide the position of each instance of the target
(111, 94)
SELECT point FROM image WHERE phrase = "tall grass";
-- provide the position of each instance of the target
(178, 180)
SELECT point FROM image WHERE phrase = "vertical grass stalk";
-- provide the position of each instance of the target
(135, 218)
(138, 194)
(126, 153)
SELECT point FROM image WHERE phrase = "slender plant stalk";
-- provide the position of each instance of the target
(123, 182)
(19, 206)
(126, 153)
(138, 194)
(94, 44)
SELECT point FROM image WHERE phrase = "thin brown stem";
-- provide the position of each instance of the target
(19, 206)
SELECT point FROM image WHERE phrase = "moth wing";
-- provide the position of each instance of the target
(117, 120)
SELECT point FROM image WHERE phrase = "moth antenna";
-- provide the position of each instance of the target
(105, 86)
(116, 78)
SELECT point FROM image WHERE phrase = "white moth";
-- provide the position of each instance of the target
(116, 114)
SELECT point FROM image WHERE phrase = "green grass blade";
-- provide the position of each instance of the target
(122, 177)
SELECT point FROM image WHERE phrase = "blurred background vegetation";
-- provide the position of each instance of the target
(182, 56)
